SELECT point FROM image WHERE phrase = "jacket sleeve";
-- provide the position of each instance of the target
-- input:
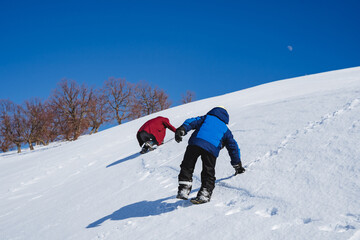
(232, 147)
(168, 125)
(193, 123)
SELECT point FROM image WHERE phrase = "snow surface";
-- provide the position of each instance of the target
(299, 140)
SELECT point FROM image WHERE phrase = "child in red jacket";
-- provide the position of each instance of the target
(153, 133)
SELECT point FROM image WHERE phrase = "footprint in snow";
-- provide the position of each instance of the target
(349, 223)
(295, 222)
(306, 220)
(267, 213)
(338, 228)
(233, 211)
(144, 176)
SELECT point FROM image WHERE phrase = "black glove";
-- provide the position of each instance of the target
(238, 169)
(180, 131)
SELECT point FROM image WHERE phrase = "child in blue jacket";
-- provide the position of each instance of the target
(210, 136)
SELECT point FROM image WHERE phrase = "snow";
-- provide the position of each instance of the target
(299, 143)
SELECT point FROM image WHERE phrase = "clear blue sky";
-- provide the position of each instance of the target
(209, 47)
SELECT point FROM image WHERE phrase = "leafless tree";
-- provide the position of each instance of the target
(52, 127)
(119, 96)
(144, 98)
(99, 111)
(136, 110)
(6, 108)
(188, 97)
(162, 99)
(12, 123)
(71, 105)
(35, 119)
(148, 100)
(5, 144)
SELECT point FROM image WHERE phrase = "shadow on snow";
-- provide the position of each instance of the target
(146, 208)
(124, 159)
(131, 156)
(142, 209)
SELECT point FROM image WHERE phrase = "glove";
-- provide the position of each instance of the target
(180, 131)
(238, 169)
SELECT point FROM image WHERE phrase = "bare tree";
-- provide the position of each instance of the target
(144, 98)
(52, 128)
(35, 122)
(5, 144)
(119, 95)
(12, 123)
(6, 108)
(162, 99)
(135, 110)
(71, 105)
(149, 100)
(188, 97)
(99, 111)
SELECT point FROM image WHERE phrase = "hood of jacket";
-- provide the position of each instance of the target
(220, 113)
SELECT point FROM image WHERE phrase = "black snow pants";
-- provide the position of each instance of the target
(143, 137)
(208, 167)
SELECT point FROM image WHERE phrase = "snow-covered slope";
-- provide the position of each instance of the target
(299, 140)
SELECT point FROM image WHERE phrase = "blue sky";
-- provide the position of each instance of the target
(208, 47)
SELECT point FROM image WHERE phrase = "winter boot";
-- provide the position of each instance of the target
(203, 196)
(147, 146)
(184, 190)
(150, 145)
(144, 149)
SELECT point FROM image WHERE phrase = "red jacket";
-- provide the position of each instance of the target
(157, 127)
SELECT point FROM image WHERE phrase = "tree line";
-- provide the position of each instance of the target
(73, 110)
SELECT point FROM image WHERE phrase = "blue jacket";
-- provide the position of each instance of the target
(211, 133)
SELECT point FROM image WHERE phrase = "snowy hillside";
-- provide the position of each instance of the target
(299, 140)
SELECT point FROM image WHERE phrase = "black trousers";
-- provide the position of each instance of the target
(208, 167)
(143, 137)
